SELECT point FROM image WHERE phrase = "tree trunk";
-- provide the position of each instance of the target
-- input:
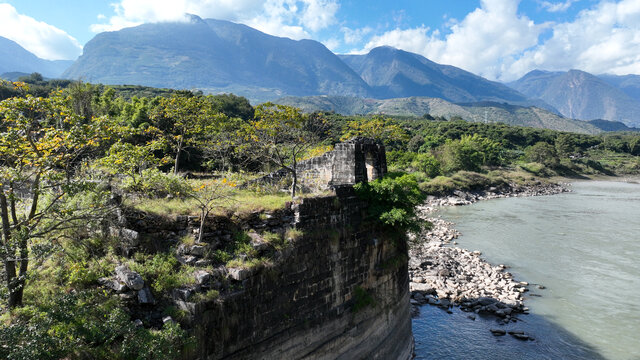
(203, 216)
(8, 256)
(177, 162)
(294, 172)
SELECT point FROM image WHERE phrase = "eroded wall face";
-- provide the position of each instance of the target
(310, 306)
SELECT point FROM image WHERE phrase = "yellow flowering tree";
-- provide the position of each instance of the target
(282, 135)
(41, 144)
(185, 120)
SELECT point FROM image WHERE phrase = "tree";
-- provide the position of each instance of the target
(129, 159)
(542, 153)
(209, 196)
(282, 135)
(184, 120)
(470, 152)
(378, 128)
(42, 142)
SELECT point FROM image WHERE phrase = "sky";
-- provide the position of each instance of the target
(498, 39)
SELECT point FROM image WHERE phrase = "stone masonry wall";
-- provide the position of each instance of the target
(353, 161)
(310, 304)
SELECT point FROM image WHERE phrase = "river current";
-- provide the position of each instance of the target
(583, 247)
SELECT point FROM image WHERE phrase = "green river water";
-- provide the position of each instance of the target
(583, 246)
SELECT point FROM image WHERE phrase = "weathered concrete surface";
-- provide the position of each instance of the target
(350, 162)
(305, 306)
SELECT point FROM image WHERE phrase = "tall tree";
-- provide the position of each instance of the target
(184, 120)
(282, 135)
(41, 143)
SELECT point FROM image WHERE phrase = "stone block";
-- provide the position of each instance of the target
(132, 279)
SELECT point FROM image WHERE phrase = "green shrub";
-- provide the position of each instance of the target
(470, 152)
(86, 324)
(154, 183)
(392, 200)
(162, 272)
(542, 153)
(427, 164)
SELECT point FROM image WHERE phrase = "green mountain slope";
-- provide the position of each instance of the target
(418, 106)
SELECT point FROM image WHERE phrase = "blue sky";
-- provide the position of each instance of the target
(498, 39)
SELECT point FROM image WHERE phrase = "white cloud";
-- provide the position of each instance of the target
(44, 40)
(355, 36)
(604, 39)
(332, 44)
(482, 42)
(497, 42)
(290, 18)
(557, 6)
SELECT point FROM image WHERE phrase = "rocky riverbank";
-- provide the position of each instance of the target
(446, 276)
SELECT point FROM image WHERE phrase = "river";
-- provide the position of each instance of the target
(583, 247)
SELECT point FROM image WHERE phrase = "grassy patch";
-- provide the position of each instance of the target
(249, 263)
(205, 296)
(239, 202)
(162, 271)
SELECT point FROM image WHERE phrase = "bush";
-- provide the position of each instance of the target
(470, 153)
(161, 271)
(542, 153)
(154, 183)
(86, 324)
(393, 200)
(426, 164)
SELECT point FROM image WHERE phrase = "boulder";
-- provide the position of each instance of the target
(202, 277)
(132, 279)
(145, 296)
(239, 274)
(112, 284)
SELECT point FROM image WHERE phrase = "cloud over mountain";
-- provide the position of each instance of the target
(44, 40)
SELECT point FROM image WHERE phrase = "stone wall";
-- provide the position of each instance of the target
(340, 292)
(353, 161)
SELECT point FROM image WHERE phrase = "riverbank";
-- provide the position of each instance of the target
(447, 276)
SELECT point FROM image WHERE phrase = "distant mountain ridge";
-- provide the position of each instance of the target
(215, 55)
(394, 73)
(580, 95)
(418, 106)
(221, 56)
(15, 58)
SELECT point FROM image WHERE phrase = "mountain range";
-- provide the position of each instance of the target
(580, 95)
(15, 58)
(486, 111)
(220, 56)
